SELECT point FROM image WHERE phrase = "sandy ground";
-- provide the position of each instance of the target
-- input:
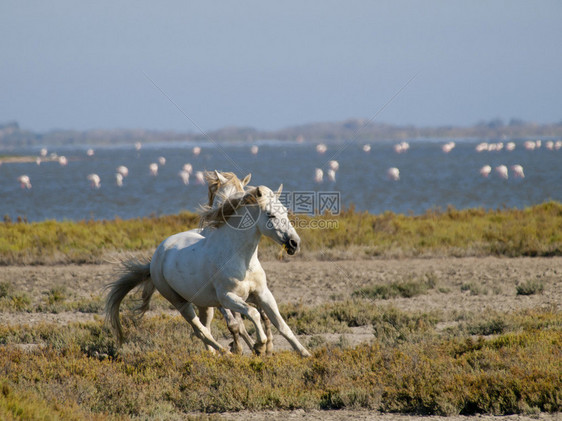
(462, 285)
(371, 416)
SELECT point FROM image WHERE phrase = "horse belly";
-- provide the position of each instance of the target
(186, 275)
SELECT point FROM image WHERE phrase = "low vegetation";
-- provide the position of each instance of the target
(407, 288)
(536, 231)
(416, 362)
(509, 363)
(530, 287)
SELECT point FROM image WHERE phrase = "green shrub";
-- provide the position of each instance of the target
(406, 289)
(530, 287)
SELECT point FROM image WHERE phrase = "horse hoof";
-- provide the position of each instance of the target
(259, 349)
(269, 348)
(235, 348)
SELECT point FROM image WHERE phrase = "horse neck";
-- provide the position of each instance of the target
(241, 242)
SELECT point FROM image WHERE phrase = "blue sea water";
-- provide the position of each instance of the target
(429, 178)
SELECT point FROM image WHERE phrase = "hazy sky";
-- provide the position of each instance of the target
(81, 65)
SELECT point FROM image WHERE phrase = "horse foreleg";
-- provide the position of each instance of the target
(188, 312)
(269, 305)
(233, 302)
(234, 326)
(206, 316)
(268, 333)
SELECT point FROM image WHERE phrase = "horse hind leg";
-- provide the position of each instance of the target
(206, 316)
(243, 332)
(188, 312)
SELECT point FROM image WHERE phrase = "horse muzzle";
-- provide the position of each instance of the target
(292, 245)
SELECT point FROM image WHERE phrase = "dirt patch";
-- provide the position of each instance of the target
(346, 415)
(461, 284)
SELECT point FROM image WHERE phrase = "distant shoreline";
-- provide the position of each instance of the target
(361, 130)
(19, 159)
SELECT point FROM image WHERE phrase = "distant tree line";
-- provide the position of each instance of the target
(11, 135)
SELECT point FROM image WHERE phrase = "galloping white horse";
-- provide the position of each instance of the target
(221, 186)
(189, 269)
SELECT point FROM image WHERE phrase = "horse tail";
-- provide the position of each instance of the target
(134, 273)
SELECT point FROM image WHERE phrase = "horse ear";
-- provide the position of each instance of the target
(222, 179)
(246, 180)
(279, 190)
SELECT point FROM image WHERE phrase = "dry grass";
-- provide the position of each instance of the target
(77, 372)
(536, 231)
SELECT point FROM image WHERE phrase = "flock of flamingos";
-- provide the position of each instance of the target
(392, 173)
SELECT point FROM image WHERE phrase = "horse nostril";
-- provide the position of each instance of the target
(293, 243)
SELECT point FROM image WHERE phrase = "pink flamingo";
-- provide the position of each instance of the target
(196, 150)
(94, 180)
(334, 165)
(25, 182)
(318, 175)
(162, 160)
(366, 148)
(123, 170)
(401, 147)
(153, 168)
(184, 175)
(393, 174)
(321, 148)
(483, 146)
(517, 171)
(188, 168)
(119, 179)
(485, 171)
(502, 171)
(530, 145)
(448, 147)
(200, 177)
(254, 150)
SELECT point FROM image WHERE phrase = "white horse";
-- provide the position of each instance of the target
(215, 271)
(221, 186)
